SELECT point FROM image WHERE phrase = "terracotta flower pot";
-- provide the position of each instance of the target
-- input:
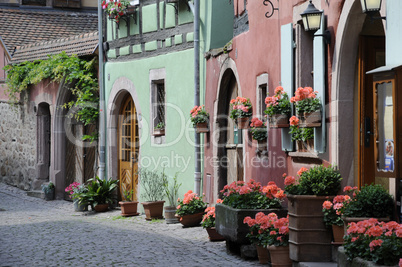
(243, 123)
(263, 254)
(129, 208)
(278, 121)
(202, 127)
(191, 220)
(153, 210)
(280, 256)
(337, 233)
(101, 207)
(213, 234)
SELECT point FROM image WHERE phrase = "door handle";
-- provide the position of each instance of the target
(367, 131)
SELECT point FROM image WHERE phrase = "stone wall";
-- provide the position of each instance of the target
(17, 145)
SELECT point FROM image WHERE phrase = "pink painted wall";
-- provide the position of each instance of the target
(255, 52)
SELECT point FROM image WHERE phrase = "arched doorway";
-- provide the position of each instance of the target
(360, 48)
(230, 140)
(43, 144)
(128, 145)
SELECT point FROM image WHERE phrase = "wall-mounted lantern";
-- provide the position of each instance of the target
(312, 21)
(371, 7)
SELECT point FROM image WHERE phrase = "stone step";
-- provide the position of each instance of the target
(36, 193)
(315, 264)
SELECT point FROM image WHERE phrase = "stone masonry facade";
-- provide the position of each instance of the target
(17, 145)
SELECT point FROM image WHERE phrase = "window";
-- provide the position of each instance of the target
(262, 91)
(158, 104)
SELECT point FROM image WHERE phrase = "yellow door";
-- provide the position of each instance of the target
(128, 148)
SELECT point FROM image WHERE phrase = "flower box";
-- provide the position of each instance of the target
(159, 132)
(312, 119)
(202, 127)
(278, 121)
(307, 146)
(243, 123)
(229, 221)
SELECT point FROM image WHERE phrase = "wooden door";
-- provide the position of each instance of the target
(234, 147)
(371, 56)
(128, 148)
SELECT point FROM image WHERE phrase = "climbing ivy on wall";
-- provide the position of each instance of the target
(78, 74)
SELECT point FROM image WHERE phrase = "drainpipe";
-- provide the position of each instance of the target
(197, 171)
(102, 113)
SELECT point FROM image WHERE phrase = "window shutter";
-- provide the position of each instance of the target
(319, 68)
(287, 75)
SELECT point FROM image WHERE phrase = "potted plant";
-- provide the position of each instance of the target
(241, 111)
(200, 119)
(76, 195)
(153, 191)
(333, 211)
(304, 137)
(159, 129)
(371, 201)
(208, 223)
(128, 205)
(310, 239)
(278, 108)
(48, 189)
(240, 200)
(172, 193)
(190, 209)
(258, 130)
(308, 107)
(100, 193)
(270, 233)
(115, 9)
(374, 241)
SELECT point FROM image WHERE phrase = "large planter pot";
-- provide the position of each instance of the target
(128, 208)
(263, 255)
(243, 123)
(191, 220)
(170, 212)
(80, 206)
(49, 195)
(229, 221)
(278, 121)
(153, 210)
(201, 127)
(280, 256)
(213, 234)
(309, 238)
(101, 207)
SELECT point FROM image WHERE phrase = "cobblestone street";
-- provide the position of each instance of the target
(35, 232)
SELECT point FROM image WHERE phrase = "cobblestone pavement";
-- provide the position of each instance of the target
(35, 232)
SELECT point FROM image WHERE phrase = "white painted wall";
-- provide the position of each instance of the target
(394, 33)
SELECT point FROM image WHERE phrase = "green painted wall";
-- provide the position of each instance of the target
(178, 150)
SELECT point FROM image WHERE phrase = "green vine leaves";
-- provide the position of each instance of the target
(79, 74)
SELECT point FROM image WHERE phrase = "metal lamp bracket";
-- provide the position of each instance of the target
(270, 13)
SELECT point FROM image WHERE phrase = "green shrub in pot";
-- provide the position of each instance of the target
(372, 201)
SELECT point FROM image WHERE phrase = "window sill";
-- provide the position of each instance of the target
(312, 155)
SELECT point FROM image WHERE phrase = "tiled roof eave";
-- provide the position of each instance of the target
(80, 45)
